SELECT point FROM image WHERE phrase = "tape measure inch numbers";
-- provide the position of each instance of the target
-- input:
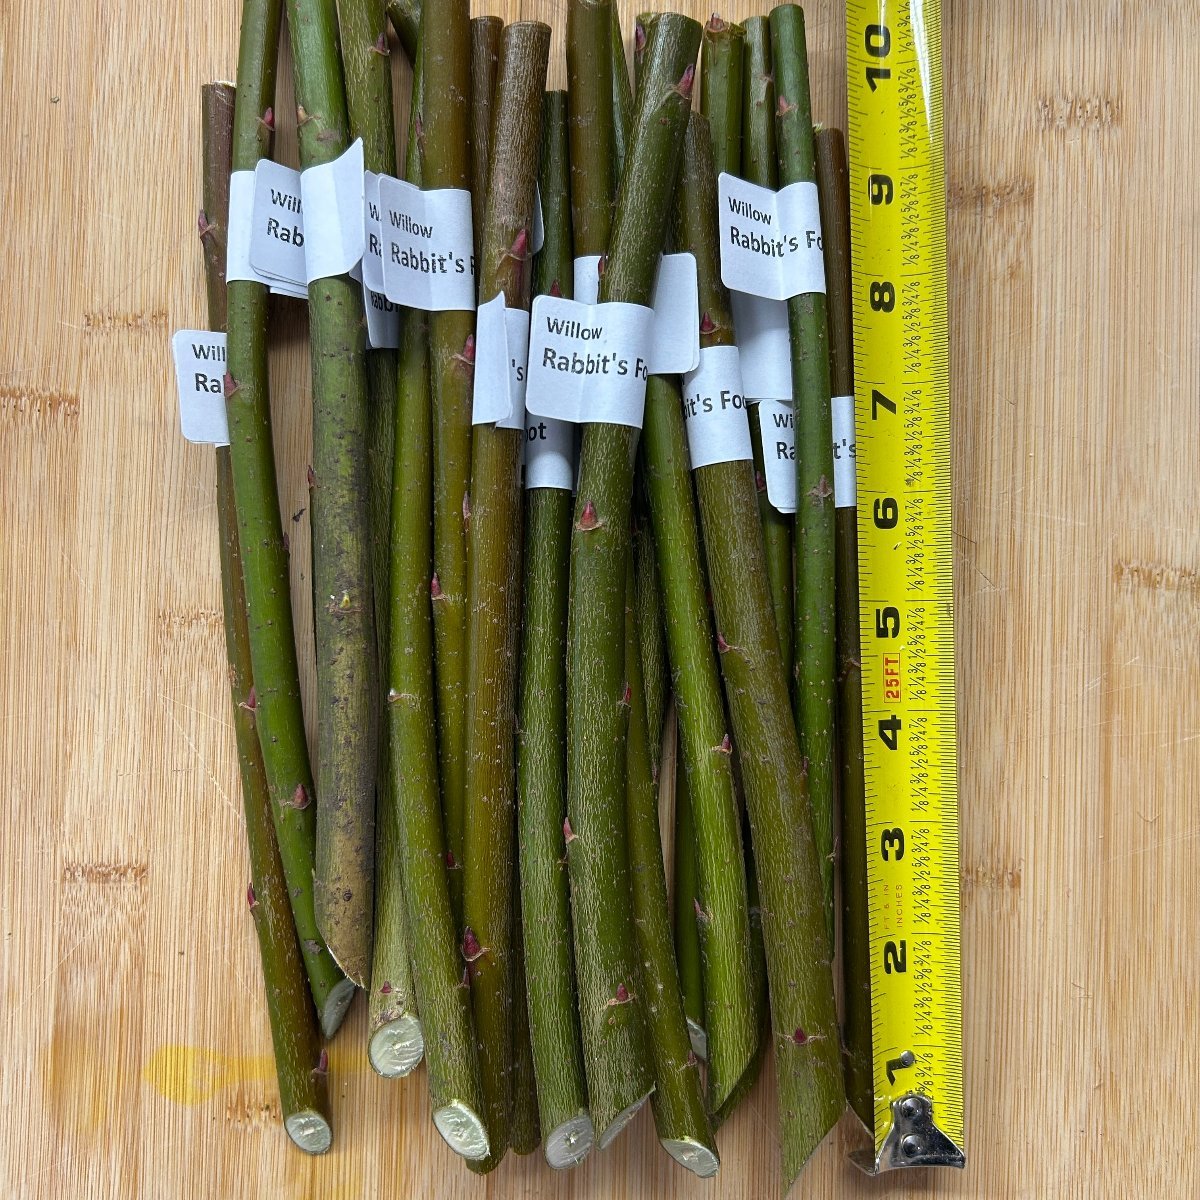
(902, 403)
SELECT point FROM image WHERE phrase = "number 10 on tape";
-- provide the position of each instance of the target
(898, 229)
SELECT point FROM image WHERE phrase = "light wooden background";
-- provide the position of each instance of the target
(133, 1039)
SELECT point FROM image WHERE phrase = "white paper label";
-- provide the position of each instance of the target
(778, 428)
(763, 339)
(714, 409)
(675, 299)
(383, 320)
(549, 453)
(586, 278)
(372, 262)
(501, 351)
(676, 303)
(200, 375)
(845, 488)
(237, 249)
(538, 232)
(588, 362)
(277, 224)
(332, 199)
(770, 241)
(428, 260)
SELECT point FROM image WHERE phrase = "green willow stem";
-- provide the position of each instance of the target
(815, 648)
(622, 99)
(295, 1037)
(834, 185)
(758, 166)
(652, 640)
(542, 750)
(485, 55)
(343, 880)
(611, 1016)
(396, 1042)
(678, 1100)
(718, 886)
(722, 102)
(278, 713)
(591, 123)
(758, 965)
(686, 926)
(804, 1022)
(526, 1133)
(362, 28)
(721, 62)
(445, 50)
(405, 16)
(437, 964)
(493, 592)
(641, 39)
(365, 56)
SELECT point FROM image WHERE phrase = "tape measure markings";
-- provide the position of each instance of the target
(906, 577)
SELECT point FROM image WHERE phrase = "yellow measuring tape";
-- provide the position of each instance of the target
(902, 406)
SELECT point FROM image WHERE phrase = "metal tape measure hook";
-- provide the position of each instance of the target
(913, 1140)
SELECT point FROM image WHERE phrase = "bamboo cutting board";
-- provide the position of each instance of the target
(135, 1054)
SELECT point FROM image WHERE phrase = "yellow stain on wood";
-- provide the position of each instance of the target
(195, 1074)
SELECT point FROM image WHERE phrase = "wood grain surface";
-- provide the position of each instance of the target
(134, 1052)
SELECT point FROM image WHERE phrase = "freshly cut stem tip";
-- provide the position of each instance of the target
(397, 1047)
(463, 1131)
(310, 1131)
(701, 1160)
(570, 1142)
